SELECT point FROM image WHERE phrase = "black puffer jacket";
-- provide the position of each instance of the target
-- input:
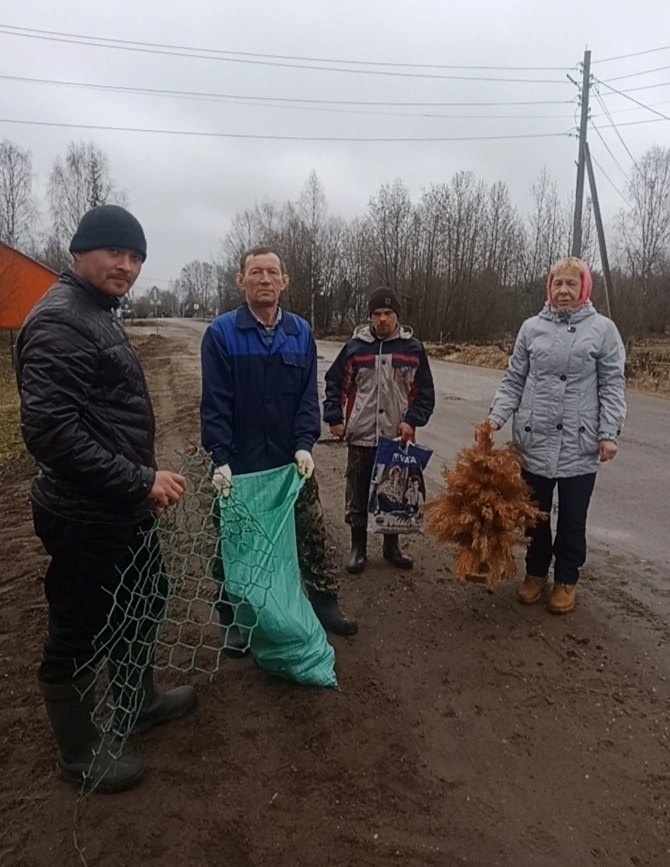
(85, 409)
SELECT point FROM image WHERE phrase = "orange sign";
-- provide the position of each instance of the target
(23, 281)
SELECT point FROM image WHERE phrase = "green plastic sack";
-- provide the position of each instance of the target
(262, 578)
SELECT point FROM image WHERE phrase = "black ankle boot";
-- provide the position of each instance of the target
(393, 554)
(327, 609)
(359, 546)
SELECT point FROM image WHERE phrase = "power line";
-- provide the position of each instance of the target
(614, 186)
(299, 100)
(635, 122)
(19, 31)
(636, 101)
(610, 152)
(634, 54)
(641, 72)
(646, 86)
(207, 54)
(277, 102)
(631, 108)
(274, 137)
(620, 137)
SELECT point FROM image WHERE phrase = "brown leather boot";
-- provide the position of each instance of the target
(531, 590)
(563, 598)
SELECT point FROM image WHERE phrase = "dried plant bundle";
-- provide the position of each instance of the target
(484, 510)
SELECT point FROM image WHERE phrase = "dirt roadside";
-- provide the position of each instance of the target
(468, 730)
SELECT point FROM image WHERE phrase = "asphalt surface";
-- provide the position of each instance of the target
(629, 517)
(630, 510)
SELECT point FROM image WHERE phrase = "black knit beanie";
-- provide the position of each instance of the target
(109, 226)
(384, 297)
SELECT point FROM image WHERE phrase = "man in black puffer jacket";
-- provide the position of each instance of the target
(87, 420)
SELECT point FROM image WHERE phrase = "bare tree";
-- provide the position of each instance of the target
(197, 288)
(465, 264)
(312, 210)
(354, 272)
(18, 210)
(643, 253)
(390, 221)
(547, 238)
(78, 182)
(645, 229)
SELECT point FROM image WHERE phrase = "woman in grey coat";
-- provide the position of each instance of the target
(564, 387)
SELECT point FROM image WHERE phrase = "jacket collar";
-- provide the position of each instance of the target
(572, 316)
(106, 302)
(364, 332)
(245, 319)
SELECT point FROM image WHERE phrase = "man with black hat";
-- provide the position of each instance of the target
(87, 420)
(380, 384)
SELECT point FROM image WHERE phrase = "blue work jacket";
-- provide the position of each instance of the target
(259, 403)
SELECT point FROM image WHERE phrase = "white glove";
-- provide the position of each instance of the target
(305, 463)
(222, 480)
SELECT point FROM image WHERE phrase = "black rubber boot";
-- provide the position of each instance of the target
(138, 706)
(327, 609)
(162, 707)
(359, 550)
(393, 554)
(235, 645)
(83, 757)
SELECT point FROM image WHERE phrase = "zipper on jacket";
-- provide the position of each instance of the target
(377, 371)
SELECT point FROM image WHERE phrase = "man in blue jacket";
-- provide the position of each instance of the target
(260, 410)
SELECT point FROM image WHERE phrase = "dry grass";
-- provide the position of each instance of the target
(647, 368)
(494, 356)
(11, 443)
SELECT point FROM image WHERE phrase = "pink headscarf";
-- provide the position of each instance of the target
(572, 263)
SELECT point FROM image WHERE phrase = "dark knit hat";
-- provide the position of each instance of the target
(109, 226)
(384, 297)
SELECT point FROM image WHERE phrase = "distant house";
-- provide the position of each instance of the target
(23, 281)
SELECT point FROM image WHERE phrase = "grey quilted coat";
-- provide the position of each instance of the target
(564, 387)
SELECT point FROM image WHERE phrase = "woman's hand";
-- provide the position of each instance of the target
(607, 450)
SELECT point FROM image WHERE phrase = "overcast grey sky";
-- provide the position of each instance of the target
(185, 188)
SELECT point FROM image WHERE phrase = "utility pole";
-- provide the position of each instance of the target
(579, 193)
(607, 278)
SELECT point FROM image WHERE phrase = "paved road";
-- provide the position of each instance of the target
(630, 512)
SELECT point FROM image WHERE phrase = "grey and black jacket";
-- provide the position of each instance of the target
(564, 387)
(86, 415)
(375, 384)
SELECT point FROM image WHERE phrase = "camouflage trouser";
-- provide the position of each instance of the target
(360, 463)
(314, 553)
